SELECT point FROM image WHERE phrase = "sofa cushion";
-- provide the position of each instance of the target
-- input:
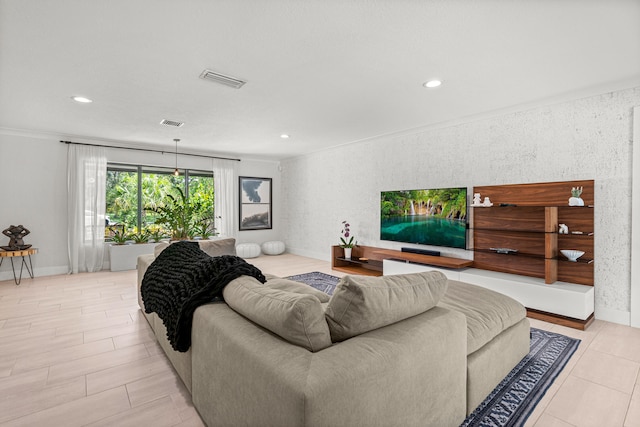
(296, 287)
(159, 248)
(488, 313)
(211, 247)
(362, 303)
(218, 247)
(298, 318)
(144, 261)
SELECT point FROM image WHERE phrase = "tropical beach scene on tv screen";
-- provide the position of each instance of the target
(429, 217)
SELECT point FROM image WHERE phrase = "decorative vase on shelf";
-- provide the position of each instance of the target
(575, 199)
(347, 253)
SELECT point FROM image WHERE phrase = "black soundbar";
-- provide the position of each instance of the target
(421, 251)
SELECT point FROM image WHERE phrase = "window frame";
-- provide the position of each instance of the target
(140, 169)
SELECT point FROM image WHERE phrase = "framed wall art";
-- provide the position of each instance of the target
(255, 203)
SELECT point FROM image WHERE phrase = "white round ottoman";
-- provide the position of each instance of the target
(248, 250)
(273, 248)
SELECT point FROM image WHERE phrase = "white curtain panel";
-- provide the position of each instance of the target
(86, 182)
(225, 205)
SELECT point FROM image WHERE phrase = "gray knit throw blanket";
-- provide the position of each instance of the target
(182, 278)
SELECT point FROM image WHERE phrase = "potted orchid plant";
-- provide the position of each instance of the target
(346, 240)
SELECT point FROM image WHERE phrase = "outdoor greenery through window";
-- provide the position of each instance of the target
(151, 203)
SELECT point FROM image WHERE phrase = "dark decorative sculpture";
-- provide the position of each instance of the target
(15, 234)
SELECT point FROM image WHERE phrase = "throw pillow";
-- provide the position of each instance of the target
(296, 287)
(218, 247)
(210, 247)
(298, 318)
(362, 303)
(159, 248)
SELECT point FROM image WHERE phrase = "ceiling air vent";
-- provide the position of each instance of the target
(171, 123)
(222, 79)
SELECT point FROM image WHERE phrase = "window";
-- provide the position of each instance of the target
(134, 191)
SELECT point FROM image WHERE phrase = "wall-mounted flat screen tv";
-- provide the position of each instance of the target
(426, 217)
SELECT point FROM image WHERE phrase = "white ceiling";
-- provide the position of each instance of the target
(326, 72)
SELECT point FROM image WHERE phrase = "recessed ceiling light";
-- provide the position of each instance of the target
(81, 99)
(284, 136)
(432, 83)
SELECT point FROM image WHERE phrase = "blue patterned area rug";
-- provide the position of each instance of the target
(515, 398)
(321, 281)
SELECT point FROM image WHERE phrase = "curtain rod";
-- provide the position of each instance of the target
(151, 151)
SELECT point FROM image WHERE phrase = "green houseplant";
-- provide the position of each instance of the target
(140, 237)
(176, 214)
(119, 237)
(575, 199)
(156, 233)
(179, 215)
(203, 229)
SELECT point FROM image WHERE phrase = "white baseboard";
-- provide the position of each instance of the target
(38, 272)
(310, 254)
(614, 316)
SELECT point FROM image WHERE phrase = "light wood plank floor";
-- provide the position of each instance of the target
(75, 351)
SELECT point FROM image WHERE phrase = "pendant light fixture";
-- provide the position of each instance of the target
(176, 172)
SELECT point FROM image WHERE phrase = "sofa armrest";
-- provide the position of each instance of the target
(144, 261)
(409, 373)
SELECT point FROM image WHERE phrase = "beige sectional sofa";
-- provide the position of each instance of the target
(404, 350)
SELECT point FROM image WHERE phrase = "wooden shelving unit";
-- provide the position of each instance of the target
(532, 231)
(561, 320)
(531, 228)
(373, 265)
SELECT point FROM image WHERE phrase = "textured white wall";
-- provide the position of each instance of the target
(588, 138)
(635, 223)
